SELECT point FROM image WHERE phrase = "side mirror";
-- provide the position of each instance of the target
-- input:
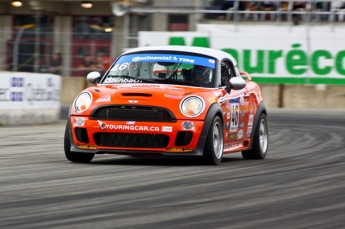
(93, 76)
(236, 83)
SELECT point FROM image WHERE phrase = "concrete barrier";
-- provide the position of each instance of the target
(29, 98)
(71, 87)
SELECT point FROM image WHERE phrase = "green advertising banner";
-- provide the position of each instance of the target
(270, 54)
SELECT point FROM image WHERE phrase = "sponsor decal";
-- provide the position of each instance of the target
(227, 125)
(240, 134)
(145, 85)
(241, 125)
(234, 116)
(249, 131)
(121, 80)
(232, 136)
(133, 101)
(105, 126)
(179, 149)
(241, 113)
(86, 146)
(155, 57)
(228, 115)
(102, 125)
(232, 145)
(143, 58)
(80, 122)
(167, 129)
(250, 120)
(251, 108)
(103, 99)
(226, 134)
(187, 125)
(173, 96)
(130, 122)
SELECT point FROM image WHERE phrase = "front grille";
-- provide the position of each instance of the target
(133, 113)
(132, 140)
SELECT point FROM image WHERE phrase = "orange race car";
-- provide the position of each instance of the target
(169, 101)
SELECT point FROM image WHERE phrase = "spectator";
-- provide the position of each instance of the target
(88, 65)
(268, 6)
(251, 6)
(298, 6)
(55, 64)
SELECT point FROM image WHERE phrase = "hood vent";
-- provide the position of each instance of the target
(137, 94)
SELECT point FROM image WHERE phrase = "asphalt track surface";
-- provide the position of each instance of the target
(301, 183)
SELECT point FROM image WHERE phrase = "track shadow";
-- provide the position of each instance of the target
(157, 161)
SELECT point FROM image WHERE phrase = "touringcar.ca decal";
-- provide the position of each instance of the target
(105, 126)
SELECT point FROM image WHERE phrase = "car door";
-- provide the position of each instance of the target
(235, 110)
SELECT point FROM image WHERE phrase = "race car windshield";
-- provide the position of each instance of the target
(163, 68)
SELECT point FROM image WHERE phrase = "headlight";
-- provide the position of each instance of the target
(82, 102)
(192, 106)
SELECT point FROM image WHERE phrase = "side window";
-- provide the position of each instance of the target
(237, 71)
(226, 73)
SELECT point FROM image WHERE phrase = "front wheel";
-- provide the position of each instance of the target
(72, 156)
(260, 141)
(213, 151)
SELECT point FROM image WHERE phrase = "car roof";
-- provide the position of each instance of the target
(218, 54)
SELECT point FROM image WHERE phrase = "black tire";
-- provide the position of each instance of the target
(213, 151)
(260, 141)
(72, 156)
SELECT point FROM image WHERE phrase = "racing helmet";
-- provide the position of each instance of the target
(201, 72)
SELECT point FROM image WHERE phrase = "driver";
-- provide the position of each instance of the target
(201, 75)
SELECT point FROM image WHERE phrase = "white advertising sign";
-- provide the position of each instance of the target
(268, 50)
(19, 90)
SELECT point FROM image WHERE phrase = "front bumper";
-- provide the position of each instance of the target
(93, 128)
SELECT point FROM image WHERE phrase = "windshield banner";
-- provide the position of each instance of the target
(184, 59)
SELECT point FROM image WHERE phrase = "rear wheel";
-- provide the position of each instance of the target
(260, 141)
(72, 156)
(213, 151)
